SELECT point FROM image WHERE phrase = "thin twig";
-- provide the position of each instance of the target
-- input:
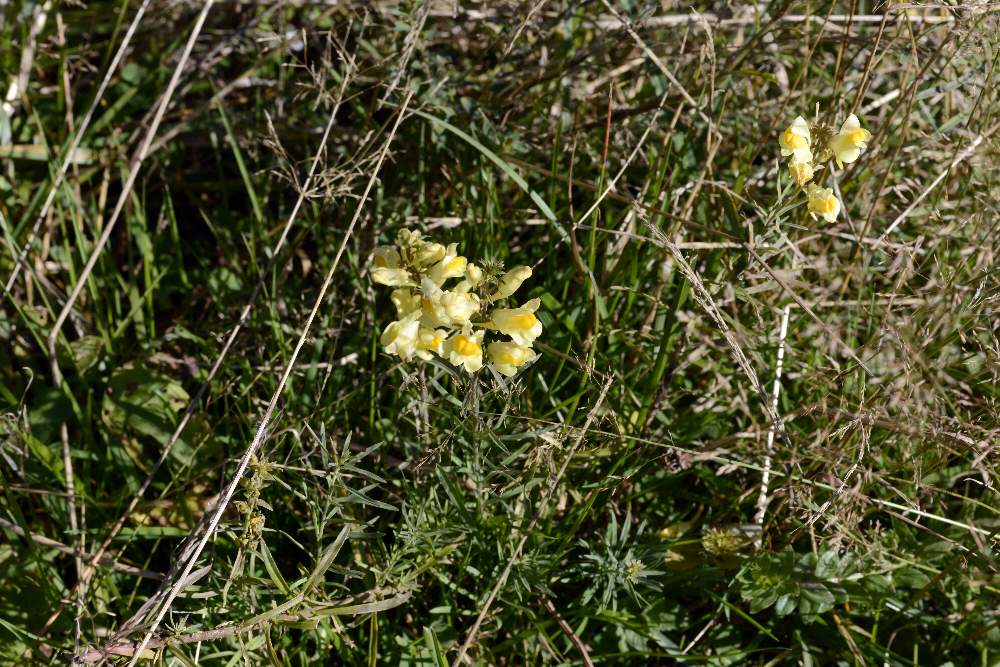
(802, 304)
(862, 450)
(765, 480)
(82, 280)
(615, 22)
(409, 45)
(133, 649)
(625, 23)
(74, 526)
(609, 189)
(701, 633)
(20, 83)
(704, 299)
(568, 631)
(517, 33)
(125, 193)
(736, 463)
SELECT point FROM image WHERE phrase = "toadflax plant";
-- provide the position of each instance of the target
(452, 322)
(845, 146)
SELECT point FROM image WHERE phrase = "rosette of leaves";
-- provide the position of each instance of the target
(618, 563)
(810, 583)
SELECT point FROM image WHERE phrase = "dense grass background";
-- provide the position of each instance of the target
(629, 499)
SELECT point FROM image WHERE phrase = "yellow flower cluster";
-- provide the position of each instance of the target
(845, 146)
(451, 322)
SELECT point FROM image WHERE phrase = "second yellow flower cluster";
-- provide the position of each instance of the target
(435, 320)
(845, 146)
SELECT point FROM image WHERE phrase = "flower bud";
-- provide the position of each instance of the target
(801, 172)
(510, 281)
(473, 274)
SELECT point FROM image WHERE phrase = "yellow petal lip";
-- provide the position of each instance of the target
(465, 350)
(523, 322)
(507, 356)
(859, 136)
(850, 142)
(466, 346)
(432, 343)
(520, 324)
(824, 203)
(794, 140)
(392, 277)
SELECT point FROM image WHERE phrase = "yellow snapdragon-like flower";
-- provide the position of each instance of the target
(508, 357)
(386, 257)
(452, 265)
(801, 172)
(852, 140)
(430, 341)
(400, 338)
(388, 271)
(406, 301)
(433, 313)
(428, 253)
(459, 307)
(795, 140)
(437, 320)
(391, 277)
(519, 323)
(823, 203)
(466, 349)
(510, 281)
(445, 308)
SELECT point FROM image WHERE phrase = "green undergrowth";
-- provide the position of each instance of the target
(603, 506)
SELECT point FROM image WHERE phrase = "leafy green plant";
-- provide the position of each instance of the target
(790, 582)
(647, 490)
(618, 564)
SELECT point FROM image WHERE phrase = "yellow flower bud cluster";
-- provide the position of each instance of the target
(845, 146)
(452, 322)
